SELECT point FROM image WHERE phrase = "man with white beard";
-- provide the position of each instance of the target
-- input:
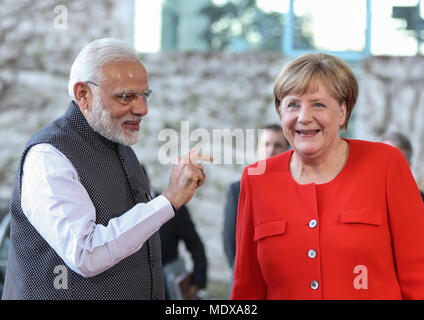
(83, 225)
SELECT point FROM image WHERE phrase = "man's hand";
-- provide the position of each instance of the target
(186, 176)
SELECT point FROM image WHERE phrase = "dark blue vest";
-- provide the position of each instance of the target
(115, 182)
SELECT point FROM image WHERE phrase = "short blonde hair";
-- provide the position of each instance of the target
(305, 72)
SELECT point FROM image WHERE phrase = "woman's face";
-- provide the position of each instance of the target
(311, 122)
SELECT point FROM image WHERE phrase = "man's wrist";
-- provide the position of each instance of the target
(170, 199)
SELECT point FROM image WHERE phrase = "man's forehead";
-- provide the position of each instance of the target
(124, 70)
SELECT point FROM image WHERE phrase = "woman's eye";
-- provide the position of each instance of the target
(318, 104)
(292, 105)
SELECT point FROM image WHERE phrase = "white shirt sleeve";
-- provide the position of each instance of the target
(60, 209)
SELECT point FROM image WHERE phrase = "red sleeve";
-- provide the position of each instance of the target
(248, 282)
(406, 218)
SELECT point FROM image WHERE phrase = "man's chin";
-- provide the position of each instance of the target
(129, 139)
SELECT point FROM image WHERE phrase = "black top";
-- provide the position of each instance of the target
(230, 222)
(181, 227)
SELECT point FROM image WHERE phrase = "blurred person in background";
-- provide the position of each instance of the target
(271, 142)
(400, 141)
(333, 218)
(83, 225)
(182, 228)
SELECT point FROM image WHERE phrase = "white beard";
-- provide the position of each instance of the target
(103, 123)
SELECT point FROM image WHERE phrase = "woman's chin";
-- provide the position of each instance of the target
(307, 151)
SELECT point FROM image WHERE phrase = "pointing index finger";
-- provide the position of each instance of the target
(193, 157)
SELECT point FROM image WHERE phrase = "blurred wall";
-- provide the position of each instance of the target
(392, 99)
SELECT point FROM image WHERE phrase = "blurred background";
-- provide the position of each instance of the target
(212, 63)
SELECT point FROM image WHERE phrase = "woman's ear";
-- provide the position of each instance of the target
(343, 112)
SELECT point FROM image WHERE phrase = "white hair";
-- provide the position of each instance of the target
(89, 62)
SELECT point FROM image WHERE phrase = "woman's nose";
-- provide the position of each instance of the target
(305, 115)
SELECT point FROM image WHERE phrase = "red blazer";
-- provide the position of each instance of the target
(359, 236)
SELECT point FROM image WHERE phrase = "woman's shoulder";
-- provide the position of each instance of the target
(275, 163)
(371, 147)
(370, 151)
(278, 161)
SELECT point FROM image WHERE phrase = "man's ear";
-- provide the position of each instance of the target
(81, 94)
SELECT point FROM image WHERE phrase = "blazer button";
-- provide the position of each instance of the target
(312, 253)
(314, 285)
(313, 223)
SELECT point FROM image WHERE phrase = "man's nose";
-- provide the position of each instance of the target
(139, 106)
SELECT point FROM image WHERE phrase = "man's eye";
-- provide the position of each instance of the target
(127, 97)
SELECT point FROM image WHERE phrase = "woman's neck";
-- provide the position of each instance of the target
(322, 169)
